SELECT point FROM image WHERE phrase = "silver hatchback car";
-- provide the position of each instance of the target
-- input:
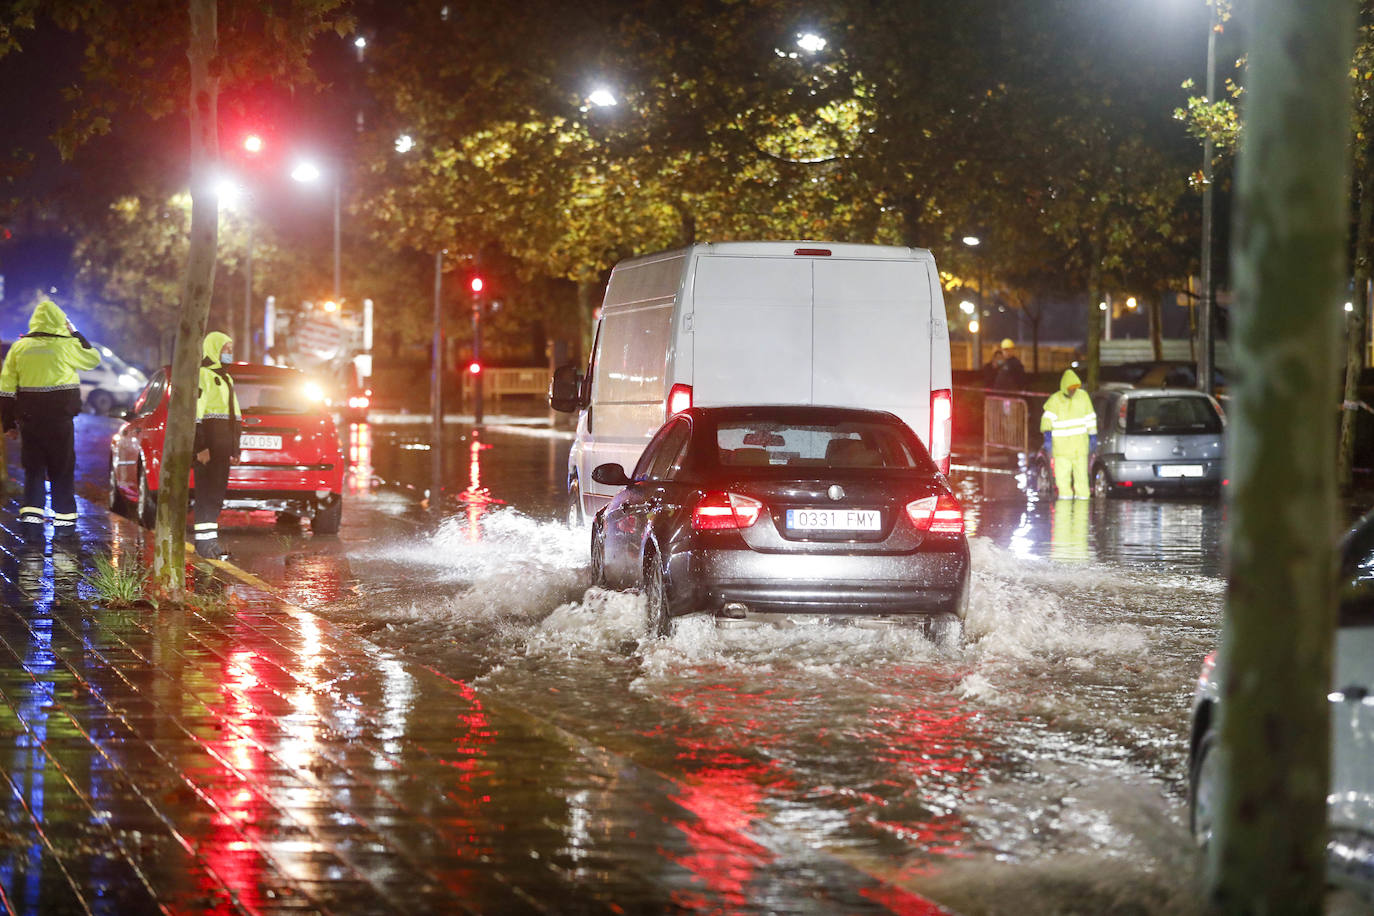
(1150, 441)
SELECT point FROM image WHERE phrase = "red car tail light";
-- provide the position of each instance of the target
(725, 511)
(937, 514)
(679, 399)
(941, 427)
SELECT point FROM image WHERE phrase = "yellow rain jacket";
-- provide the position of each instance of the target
(1070, 420)
(216, 399)
(39, 380)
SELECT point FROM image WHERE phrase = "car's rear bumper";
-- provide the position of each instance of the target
(1155, 475)
(298, 478)
(925, 583)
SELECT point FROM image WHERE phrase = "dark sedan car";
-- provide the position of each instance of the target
(761, 513)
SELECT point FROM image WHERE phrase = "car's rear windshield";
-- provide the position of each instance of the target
(846, 444)
(1172, 416)
(281, 396)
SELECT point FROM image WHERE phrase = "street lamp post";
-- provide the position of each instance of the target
(308, 173)
(975, 242)
(436, 392)
(1204, 355)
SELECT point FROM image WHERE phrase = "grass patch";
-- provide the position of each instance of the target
(115, 587)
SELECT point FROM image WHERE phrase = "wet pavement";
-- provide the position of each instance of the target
(246, 755)
(433, 711)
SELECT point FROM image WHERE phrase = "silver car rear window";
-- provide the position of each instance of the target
(1172, 416)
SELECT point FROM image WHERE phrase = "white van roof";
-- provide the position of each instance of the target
(798, 247)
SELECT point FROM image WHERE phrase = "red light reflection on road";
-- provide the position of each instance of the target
(477, 498)
(230, 850)
(358, 478)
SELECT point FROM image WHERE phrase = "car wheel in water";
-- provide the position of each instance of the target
(575, 516)
(1042, 478)
(598, 563)
(147, 501)
(1202, 790)
(116, 501)
(660, 624)
(100, 402)
(327, 518)
(1102, 484)
(945, 630)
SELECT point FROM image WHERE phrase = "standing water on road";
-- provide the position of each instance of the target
(1049, 750)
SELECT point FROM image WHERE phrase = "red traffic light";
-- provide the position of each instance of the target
(476, 284)
(253, 143)
(475, 368)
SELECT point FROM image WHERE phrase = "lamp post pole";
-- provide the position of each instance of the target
(244, 347)
(337, 224)
(1204, 354)
(436, 393)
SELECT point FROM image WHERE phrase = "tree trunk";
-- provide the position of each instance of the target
(169, 556)
(1094, 357)
(1356, 330)
(1268, 849)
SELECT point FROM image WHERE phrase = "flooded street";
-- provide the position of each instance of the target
(1046, 752)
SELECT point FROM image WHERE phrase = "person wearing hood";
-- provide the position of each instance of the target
(217, 441)
(40, 392)
(1070, 427)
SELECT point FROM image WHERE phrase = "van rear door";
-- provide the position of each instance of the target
(752, 335)
(872, 335)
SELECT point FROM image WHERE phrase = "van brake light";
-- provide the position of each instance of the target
(941, 427)
(725, 511)
(937, 514)
(812, 252)
(679, 399)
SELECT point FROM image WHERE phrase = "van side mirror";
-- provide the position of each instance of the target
(612, 475)
(565, 390)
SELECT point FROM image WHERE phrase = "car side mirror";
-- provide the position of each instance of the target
(565, 390)
(612, 475)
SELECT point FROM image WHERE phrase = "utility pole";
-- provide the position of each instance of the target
(475, 367)
(436, 390)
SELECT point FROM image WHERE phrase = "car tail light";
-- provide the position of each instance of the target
(937, 514)
(941, 427)
(725, 511)
(679, 399)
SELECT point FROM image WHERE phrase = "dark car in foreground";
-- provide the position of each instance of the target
(290, 461)
(1350, 798)
(1150, 441)
(764, 513)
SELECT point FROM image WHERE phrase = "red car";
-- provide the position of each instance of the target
(290, 461)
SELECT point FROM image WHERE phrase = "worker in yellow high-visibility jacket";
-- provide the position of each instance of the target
(1070, 427)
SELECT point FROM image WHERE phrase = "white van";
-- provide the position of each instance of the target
(757, 323)
(110, 385)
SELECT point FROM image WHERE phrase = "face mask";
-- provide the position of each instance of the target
(226, 355)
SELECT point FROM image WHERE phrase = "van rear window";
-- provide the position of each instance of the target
(1172, 416)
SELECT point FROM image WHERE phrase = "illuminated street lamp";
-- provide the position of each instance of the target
(974, 242)
(308, 172)
(602, 97)
(405, 143)
(811, 43)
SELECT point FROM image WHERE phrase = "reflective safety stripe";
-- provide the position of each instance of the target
(201, 526)
(32, 519)
(35, 510)
(48, 387)
(206, 535)
(64, 523)
(65, 515)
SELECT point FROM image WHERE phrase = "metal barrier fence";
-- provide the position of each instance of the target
(1005, 424)
(499, 383)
